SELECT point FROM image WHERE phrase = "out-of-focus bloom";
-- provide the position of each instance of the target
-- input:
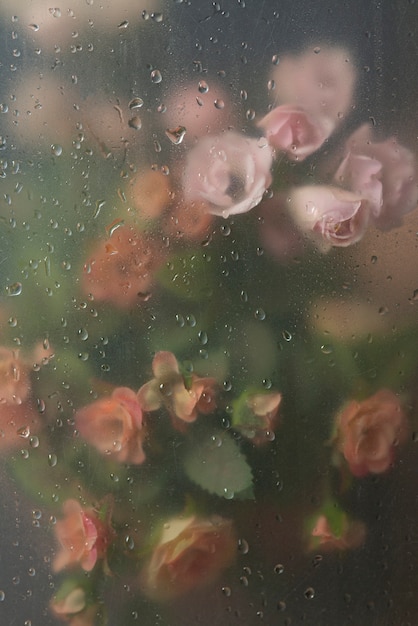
(296, 132)
(188, 220)
(14, 377)
(351, 534)
(360, 174)
(168, 389)
(230, 172)
(121, 268)
(114, 426)
(368, 432)
(320, 79)
(398, 175)
(73, 608)
(333, 216)
(84, 538)
(150, 193)
(191, 553)
(255, 418)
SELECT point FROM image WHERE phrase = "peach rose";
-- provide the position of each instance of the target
(369, 431)
(321, 79)
(351, 535)
(168, 389)
(190, 554)
(296, 132)
(121, 268)
(398, 175)
(188, 220)
(83, 537)
(230, 172)
(114, 426)
(150, 193)
(332, 216)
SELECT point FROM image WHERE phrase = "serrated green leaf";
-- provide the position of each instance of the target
(217, 465)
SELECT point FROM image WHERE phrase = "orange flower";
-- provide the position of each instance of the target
(150, 193)
(190, 554)
(369, 431)
(84, 538)
(168, 389)
(189, 220)
(121, 269)
(114, 426)
(352, 535)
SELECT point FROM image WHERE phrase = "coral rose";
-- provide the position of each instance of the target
(114, 426)
(84, 538)
(397, 175)
(121, 268)
(369, 431)
(190, 554)
(332, 216)
(230, 172)
(168, 389)
(293, 130)
(255, 415)
(351, 534)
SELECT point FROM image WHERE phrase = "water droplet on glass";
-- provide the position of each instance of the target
(34, 27)
(2, 596)
(281, 605)
(24, 432)
(275, 59)
(156, 76)
(219, 104)
(124, 24)
(260, 315)
(136, 103)
(243, 546)
(309, 593)
(129, 542)
(56, 149)
(83, 334)
(226, 591)
(203, 87)
(157, 17)
(287, 336)
(34, 441)
(271, 85)
(135, 122)
(15, 289)
(326, 349)
(176, 135)
(373, 259)
(52, 460)
(203, 337)
(279, 568)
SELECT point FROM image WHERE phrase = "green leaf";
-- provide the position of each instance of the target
(217, 465)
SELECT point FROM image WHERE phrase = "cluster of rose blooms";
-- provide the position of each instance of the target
(190, 550)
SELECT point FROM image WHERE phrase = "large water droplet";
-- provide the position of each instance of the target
(156, 76)
(15, 289)
(176, 135)
(135, 122)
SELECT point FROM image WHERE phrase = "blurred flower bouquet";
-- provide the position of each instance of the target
(164, 385)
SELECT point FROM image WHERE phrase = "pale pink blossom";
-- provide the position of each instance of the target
(352, 534)
(190, 554)
(168, 389)
(321, 79)
(294, 131)
(83, 537)
(398, 174)
(368, 432)
(332, 216)
(114, 426)
(361, 175)
(230, 172)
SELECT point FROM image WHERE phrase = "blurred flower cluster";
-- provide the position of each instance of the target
(172, 373)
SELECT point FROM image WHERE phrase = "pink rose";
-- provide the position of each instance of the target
(120, 270)
(369, 431)
(230, 172)
(114, 426)
(296, 132)
(397, 176)
(361, 175)
(168, 389)
(84, 538)
(351, 535)
(191, 553)
(320, 79)
(332, 216)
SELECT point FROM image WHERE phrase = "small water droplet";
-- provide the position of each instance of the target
(34, 27)
(203, 87)
(415, 295)
(287, 336)
(279, 568)
(129, 542)
(24, 432)
(176, 135)
(260, 315)
(373, 259)
(309, 593)
(136, 103)
(2, 596)
(326, 349)
(83, 334)
(156, 76)
(243, 546)
(56, 149)
(226, 591)
(135, 122)
(219, 104)
(275, 59)
(15, 289)
(124, 24)
(52, 460)
(203, 337)
(157, 17)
